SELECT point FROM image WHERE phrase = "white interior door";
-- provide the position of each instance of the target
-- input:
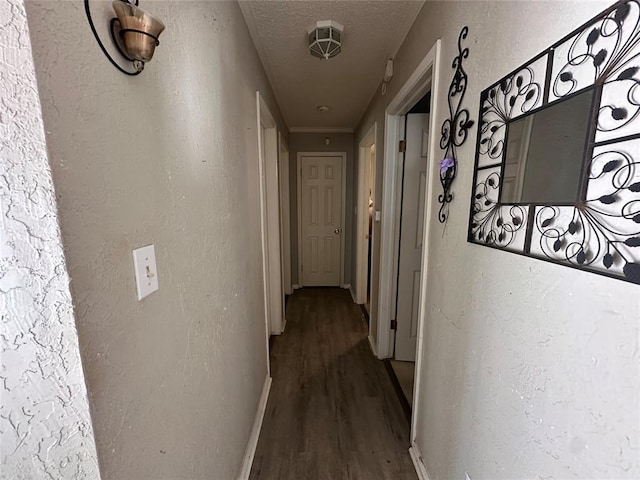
(320, 200)
(414, 185)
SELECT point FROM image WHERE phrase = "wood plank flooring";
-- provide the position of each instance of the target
(332, 413)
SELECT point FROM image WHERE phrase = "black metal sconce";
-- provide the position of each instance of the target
(134, 33)
(455, 128)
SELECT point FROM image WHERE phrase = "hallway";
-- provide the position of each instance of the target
(332, 412)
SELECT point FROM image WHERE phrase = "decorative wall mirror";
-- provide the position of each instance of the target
(557, 171)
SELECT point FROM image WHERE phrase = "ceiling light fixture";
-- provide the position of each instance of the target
(323, 108)
(134, 33)
(325, 39)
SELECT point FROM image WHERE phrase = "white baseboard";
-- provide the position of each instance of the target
(372, 344)
(296, 287)
(346, 286)
(353, 295)
(255, 431)
(418, 463)
(284, 324)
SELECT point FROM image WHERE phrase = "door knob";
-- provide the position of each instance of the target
(337, 231)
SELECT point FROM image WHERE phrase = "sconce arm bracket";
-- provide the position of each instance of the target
(125, 30)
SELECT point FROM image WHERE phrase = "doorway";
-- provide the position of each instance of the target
(369, 191)
(413, 194)
(365, 213)
(285, 216)
(424, 79)
(270, 219)
(321, 200)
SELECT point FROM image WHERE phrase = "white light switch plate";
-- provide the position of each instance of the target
(144, 264)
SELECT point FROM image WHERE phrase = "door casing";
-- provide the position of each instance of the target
(285, 215)
(270, 219)
(343, 155)
(362, 251)
(425, 77)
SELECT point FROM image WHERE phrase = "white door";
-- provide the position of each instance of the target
(321, 219)
(414, 184)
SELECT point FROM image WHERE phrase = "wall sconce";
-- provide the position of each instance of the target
(134, 33)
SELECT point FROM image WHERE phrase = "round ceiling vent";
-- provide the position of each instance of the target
(325, 39)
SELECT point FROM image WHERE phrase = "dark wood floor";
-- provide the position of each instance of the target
(332, 413)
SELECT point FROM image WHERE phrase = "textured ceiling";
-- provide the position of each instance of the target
(373, 33)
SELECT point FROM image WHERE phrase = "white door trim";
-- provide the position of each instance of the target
(418, 462)
(342, 213)
(262, 112)
(425, 77)
(285, 214)
(362, 230)
(270, 223)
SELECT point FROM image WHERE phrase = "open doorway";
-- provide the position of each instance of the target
(423, 80)
(365, 215)
(370, 177)
(414, 163)
(270, 220)
(285, 216)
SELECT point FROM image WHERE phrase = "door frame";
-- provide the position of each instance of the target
(343, 156)
(425, 77)
(285, 213)
(362, 212)
(270, 219)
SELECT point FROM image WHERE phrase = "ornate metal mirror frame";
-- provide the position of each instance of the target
(600, 231)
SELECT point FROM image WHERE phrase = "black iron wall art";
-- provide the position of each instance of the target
(455, 128)
(557, 172)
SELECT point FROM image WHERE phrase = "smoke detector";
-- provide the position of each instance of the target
(325, 39)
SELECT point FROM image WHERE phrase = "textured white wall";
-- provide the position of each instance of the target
(171, 158)
(45, 428)
(532, 370)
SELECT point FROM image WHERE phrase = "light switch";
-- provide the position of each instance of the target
(377, 215)
(144, 264)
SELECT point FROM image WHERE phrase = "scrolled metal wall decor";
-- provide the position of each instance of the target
(597, 66)
(455, 128)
